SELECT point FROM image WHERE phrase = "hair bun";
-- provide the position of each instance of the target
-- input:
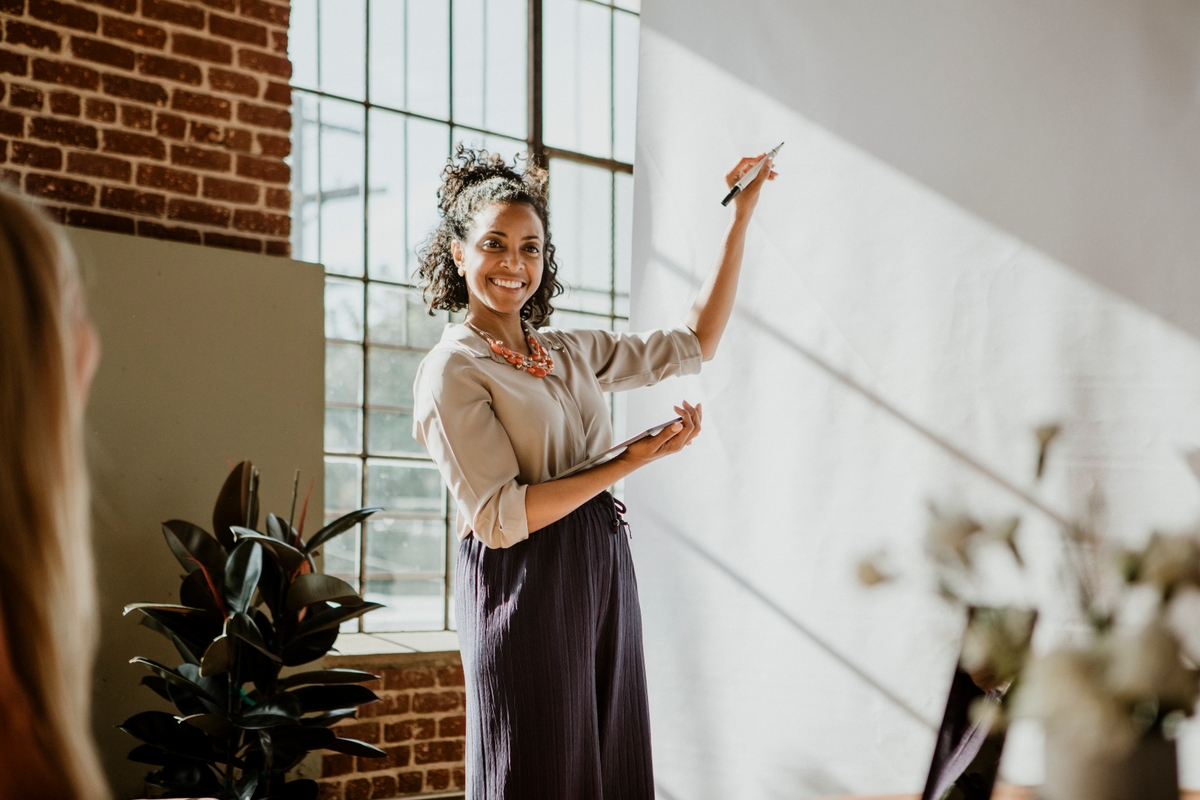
(467, 168)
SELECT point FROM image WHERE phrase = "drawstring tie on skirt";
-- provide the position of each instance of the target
(619, 522)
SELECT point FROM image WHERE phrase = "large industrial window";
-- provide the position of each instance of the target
(384, 89)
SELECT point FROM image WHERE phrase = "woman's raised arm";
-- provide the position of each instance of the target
(711, 311)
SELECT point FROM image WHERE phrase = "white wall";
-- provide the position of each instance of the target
(207, 355)
(985, 220)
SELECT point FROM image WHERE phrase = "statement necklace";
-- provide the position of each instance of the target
(539, 364)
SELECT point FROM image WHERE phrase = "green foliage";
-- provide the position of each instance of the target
(250, 604)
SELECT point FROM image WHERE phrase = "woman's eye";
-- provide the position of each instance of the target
(491, 243)
(532, 249)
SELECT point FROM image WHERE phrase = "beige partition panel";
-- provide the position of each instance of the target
(209, 356)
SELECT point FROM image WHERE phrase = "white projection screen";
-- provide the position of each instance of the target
(987, 218)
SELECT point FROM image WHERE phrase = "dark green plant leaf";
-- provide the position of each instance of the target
(212, 724)
(278, 528)
(270, 586)
(308, 648)
(185, 650)
(354, 747)
(288, 557)
(162, 730)
(184, 778)
(302, 789)
(216, 657)
(216, 686)
(195, 593)
(332, 617)
(327, 698)
(171, 676)
(246, 784)
(157, 685)
(237, 504)
(326, 676)
(195, 626)
(149, 754)
(242, 570)
(314, 587)
(194, 547)
(338, 526)
(242, 626)
(304, 738)
(330, 717)
(256, 667)
(185, 701)
(282, 709)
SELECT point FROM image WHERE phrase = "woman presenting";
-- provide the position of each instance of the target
(546, 600)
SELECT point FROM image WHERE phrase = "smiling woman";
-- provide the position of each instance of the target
(556, 688)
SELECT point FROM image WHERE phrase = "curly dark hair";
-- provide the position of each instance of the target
(471, 180)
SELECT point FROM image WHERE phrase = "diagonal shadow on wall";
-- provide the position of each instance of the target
(883, 404)
(682, 538)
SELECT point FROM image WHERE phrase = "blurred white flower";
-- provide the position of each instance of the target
(1066, 691)
(1147, 666)
(870, 573)
(996, 644)
(948, 539)
(1170, 562)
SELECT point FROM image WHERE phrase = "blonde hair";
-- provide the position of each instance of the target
(47, 581)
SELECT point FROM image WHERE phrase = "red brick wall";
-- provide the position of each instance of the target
(419, 723)
(151, 117)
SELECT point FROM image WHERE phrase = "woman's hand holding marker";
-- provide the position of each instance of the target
(670, 440)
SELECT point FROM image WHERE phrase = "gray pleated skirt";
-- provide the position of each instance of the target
(551, 637)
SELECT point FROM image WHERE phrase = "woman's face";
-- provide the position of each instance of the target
(502, 257)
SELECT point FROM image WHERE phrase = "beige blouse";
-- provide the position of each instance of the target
(493, 430)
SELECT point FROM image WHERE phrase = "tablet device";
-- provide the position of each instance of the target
(617, 449)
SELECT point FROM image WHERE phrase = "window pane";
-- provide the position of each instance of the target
(343, 47)
(427, 147)
(341, 555)
(302, 43)
(409, 605)
(584, 300)
(569, 319)
(623, 230)
(343, 430)
(341, 187)
(451, 564)
(470, 53)
(343, 373)
(343, 484)
(387, 52)
(423, 330)
(391, 377)
(428, 73)
(343, 309)
(581, 207)
(403, 486)
(391, 435)
(505, 74)
(577, 76)
(306, 176)
(625, 69)
(386, 204)
(387, 314)
(631, 5)
(406, 547)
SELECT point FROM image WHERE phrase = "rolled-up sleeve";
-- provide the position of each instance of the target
(624, 361)
(453, 419)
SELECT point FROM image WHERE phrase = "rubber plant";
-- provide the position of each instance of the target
(251, 603)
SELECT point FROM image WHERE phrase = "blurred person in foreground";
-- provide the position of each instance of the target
(48, 624)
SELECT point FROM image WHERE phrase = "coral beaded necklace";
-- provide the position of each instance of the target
(539, 364)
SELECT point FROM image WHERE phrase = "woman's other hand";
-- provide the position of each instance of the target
(747, 198)
(670, 440)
